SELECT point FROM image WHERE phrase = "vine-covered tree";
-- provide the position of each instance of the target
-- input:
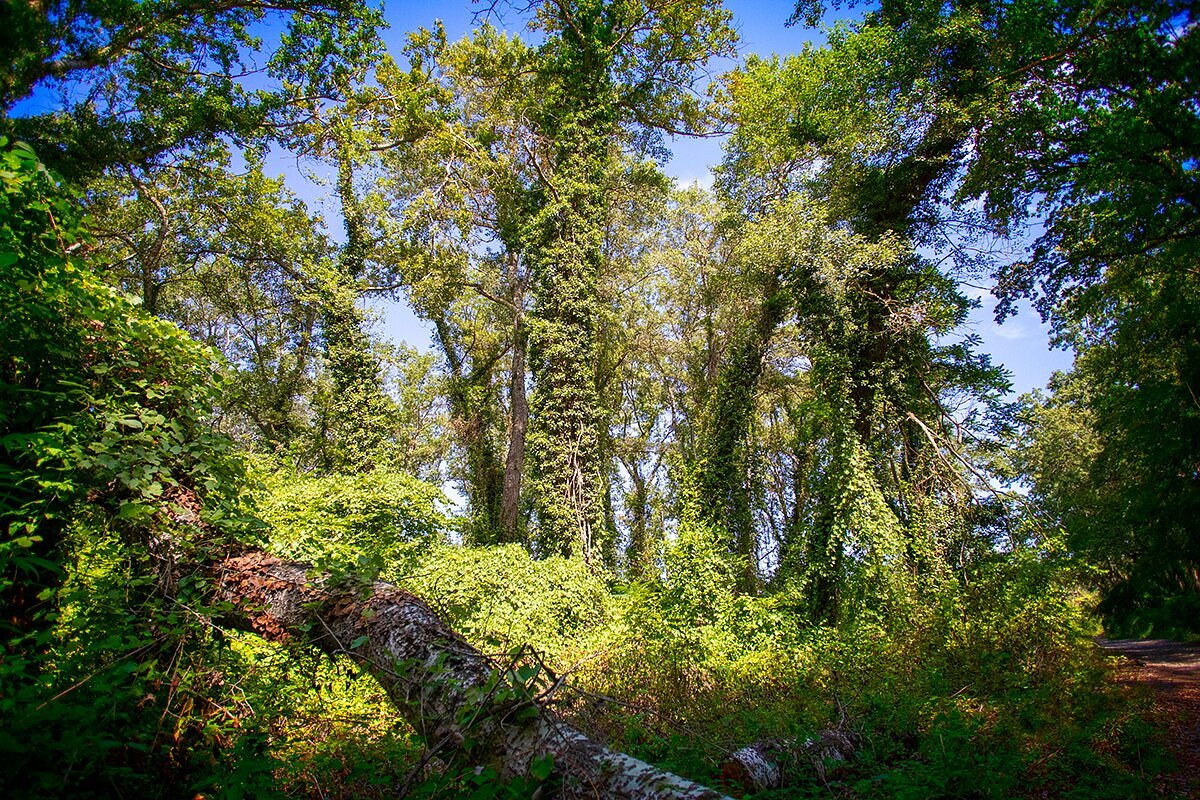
(610, 75)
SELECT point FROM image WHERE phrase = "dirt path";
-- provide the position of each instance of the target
(1172, 671)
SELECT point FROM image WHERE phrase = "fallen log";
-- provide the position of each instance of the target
(776, 763)
(444, 687)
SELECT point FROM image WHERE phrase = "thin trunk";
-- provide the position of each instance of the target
(445, 688)
(722, 489)
(639, 555)
(510, 504)
(472, 423)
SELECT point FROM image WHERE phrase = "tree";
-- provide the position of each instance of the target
(161, 76)
(532, 145)
(102, 404)
(1101, 466)
(876, 124)
(103, 423)
(723, 484)
(1082, 118)
(456, 194)
(1098, 141)
(357, 417)
(607, 72)
(165, 88)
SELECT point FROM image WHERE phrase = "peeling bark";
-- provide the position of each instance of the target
(444, 687)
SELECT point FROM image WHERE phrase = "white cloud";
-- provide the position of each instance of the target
(1011, 331)
(705, 181)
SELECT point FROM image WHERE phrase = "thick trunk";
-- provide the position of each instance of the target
(445, 688)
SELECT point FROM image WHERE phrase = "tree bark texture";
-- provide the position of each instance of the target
(514, 467)
(445, 688)
(777, 763)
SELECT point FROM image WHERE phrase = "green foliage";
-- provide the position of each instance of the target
(242, 283)
(1087, 126)
(501, 597)
(307, 721)
(870, 413)
(607, 72)
(367, 521)
(108, 453)
(467, 177)
(786, 357)
(991, 687)
(102, 403)
(124, 693)
(1093, 454)
(970, 698)
(356, 417)
(142, 79)
(699, 577)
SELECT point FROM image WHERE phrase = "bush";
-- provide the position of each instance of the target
(370, 522)
(501, 597)
(987, 687)
(107, 449)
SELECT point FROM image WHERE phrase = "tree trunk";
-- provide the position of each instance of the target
(473, 402)
(722, 491)
(777, 763)
(640, 559)
(514, 466)
(445, 688)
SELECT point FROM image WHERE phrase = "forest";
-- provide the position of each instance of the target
(699, 490)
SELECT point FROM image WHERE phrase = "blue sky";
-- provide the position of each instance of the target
(1021, 344)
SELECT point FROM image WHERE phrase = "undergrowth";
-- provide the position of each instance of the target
(987, 685)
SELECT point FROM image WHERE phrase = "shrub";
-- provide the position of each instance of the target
(500, 597)
(373, 522)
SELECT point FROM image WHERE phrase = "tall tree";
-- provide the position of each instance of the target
(876, 124)
(610, 73)
(456, 194)
(1082, 118)
(1099, 140)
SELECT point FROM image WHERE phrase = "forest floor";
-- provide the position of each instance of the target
(1171, 672)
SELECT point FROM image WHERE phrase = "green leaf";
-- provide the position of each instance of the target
(134, 511)
(541, 766)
